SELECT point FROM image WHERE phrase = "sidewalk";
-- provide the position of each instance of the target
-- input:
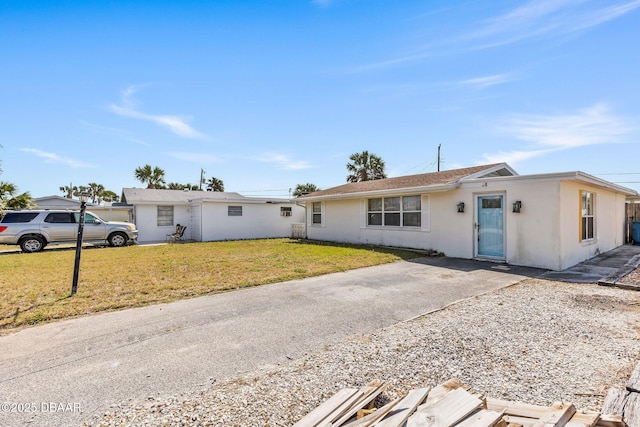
(603, 269)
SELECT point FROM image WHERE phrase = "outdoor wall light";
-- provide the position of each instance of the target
(460, 207)
(517, 206)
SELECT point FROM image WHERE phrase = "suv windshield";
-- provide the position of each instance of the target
(16, 217)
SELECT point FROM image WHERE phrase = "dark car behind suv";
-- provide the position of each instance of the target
(35, 229)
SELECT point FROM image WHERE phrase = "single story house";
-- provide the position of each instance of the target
(550, 221)
(210, 215)
(107, 211)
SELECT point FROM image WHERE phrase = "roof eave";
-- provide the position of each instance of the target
(377, 193)
(562, 176)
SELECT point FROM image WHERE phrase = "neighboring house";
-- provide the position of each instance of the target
(550, 221)
(210, 215)
(108, 211)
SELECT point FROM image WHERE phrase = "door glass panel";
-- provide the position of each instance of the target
(490, 226)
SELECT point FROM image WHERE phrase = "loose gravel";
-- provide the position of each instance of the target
(536, 342)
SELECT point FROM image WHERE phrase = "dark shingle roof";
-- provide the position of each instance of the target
(409, 181)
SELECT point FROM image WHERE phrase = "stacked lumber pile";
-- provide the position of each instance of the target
(449, 404)
(626, 403)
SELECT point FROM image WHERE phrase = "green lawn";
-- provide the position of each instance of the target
(36, 287)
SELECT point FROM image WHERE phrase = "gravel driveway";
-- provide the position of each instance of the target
(537, 341)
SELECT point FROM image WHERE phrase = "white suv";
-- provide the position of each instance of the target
(35, 229)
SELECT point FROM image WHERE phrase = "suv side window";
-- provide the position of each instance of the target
(60, 218)
(88, 218)
(18, 217)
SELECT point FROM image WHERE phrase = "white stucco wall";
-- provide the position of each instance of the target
(258, 220)
(545, 234)
(209, 221)
(609, 230)
(146, 219)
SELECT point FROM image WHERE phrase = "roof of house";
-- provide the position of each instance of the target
(156, 196)
(56, 201)
(432, 179)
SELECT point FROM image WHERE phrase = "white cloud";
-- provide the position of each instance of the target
(512, 157)
(175, 124)
(55, 158)
(487, 81)
(284, 162)
(545, 134)
(533, 20)
(540, 18)
(121, 133)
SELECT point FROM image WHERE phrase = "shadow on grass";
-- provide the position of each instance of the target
(33, 320)
(403, 253)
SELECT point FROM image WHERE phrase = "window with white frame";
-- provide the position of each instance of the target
(165, 215)
(405, 211)
(588, 215)
(316, 213)
(234, 210)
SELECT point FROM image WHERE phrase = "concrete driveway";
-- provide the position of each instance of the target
(64, 373)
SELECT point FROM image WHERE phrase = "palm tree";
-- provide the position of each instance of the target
(68, 190)
(95, 192)
(153, 177)
(110, 196)
(80, 189)
(365, 166)
(302, 189)
(9, 199)
(215, 184)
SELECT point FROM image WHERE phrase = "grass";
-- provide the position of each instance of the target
(36, 287)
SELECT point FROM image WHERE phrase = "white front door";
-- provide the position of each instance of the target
(490, 225)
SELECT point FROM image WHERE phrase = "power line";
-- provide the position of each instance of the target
(618, 173)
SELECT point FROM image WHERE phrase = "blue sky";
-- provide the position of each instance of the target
(269, 94)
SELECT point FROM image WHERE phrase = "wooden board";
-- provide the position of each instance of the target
(441, 390)
(521, 421)
(482, 418)
(607, 420)
(584, 419)
(548, 414)
(404, 408)
(614, 401)
(557, 415)
(631, 414)
(372, 418)
(633, 384)
(447, 411)
(368, 395)
(319, 414)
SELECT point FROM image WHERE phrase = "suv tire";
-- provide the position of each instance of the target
(32, 244)
(117, 239)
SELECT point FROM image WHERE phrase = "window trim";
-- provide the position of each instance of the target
(163, 220)
(319, 214)
(384, 211)
(587, 202)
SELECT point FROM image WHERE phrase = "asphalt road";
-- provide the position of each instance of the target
(64, 373)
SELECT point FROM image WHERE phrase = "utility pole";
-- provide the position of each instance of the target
(202, 172)
(439, 157)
